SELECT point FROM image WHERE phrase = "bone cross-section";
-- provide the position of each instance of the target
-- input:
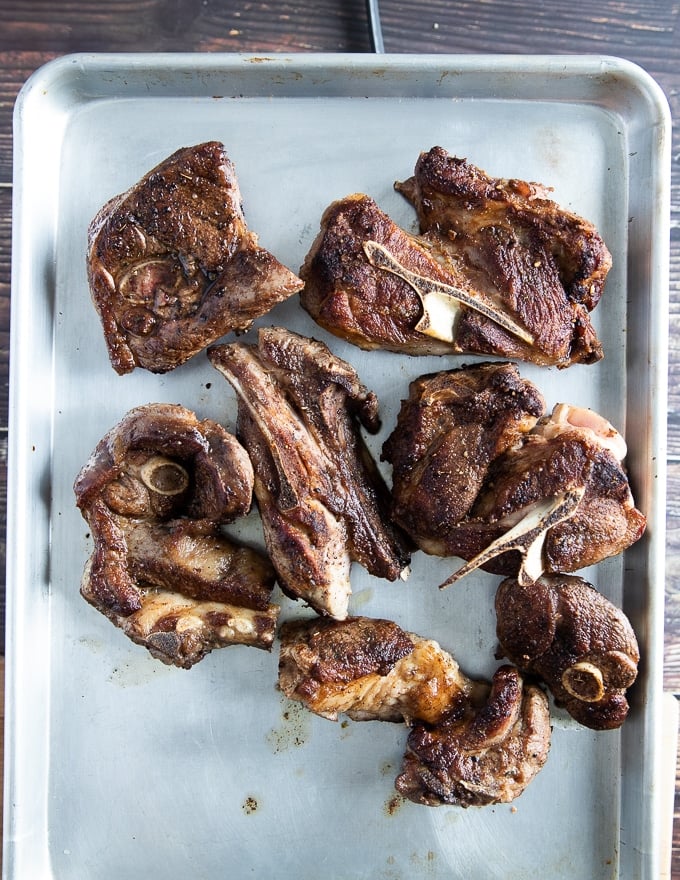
(584, 647)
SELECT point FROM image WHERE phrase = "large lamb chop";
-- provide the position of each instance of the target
(155, 493)
(470, 743)
(321, 498)
(479, 472)
(498, 269)
(562, 629)
(172, 265)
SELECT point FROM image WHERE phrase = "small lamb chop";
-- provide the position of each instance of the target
(368, 669)
(566, 632)
(470, 743)
(477, 474)
(481, 753)
(498, 269)
(172, 265)
(155, 493)
(320, 495)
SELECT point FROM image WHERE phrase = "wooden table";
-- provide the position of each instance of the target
(644, 31)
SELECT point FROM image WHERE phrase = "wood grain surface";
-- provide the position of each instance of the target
(644, 31)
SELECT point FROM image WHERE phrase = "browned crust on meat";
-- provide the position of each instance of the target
(345, 650)
(503, 243)
(442, 182)
(322, 500)
(453, 425)
(470, 458)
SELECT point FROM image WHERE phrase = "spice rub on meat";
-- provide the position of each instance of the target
(498, 269)
(479, 472)
(322, 500)
(155, 493)
(470, 743)
(172, 265)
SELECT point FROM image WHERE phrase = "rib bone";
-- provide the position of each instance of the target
(441, 302)
(527, 537)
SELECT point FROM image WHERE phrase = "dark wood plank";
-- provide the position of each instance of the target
(15, 68)
(2, 734)
(181, 25)
(647, 29)
(33, 33)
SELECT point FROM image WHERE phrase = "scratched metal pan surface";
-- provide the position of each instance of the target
(118, 766)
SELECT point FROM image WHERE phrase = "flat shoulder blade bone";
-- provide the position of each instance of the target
(441, 302)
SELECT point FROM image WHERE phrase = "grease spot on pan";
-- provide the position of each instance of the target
(250, 805)
(393, 804)
(294, 728)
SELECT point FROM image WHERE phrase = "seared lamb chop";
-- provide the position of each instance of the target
(481, 753)
(321, 498)
(476, 475)
(498, 269)
(368, 669)
(563, 630)
(368, 281)
(469, 744)
(154, 493)
(172, 265)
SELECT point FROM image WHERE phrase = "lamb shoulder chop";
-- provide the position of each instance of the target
(368, 669)
(498, 269)
(562, 629)
(320, 495)
(479, 754)
(155, 493)
(172, 265)
(470, 743)
(477, 474)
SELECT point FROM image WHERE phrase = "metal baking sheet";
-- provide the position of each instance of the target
(118, 766)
